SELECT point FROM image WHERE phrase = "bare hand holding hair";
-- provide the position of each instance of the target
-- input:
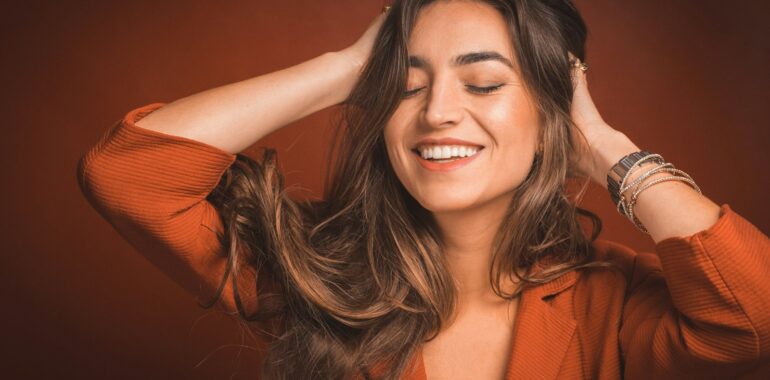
(235, 116)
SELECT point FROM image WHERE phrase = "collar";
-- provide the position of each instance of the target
(542, 332)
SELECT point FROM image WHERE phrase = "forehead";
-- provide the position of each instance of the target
(446, 28)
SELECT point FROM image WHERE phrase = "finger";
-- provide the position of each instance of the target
(576, 63)
(578, 71)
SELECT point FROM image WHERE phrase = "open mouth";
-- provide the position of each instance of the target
(446, 158)
(446, 153)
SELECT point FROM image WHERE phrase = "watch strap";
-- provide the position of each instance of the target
(620, 169)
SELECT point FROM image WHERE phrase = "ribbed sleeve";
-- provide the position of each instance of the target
(152, 187)
(700, 308)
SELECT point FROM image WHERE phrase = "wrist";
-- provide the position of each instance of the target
(352, 58)
(347, 67)
(614, 147)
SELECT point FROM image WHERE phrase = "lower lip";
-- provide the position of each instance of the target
(446, 166)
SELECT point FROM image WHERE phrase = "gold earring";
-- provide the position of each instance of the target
(580, 65)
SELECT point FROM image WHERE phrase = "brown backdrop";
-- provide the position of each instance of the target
(78, 302)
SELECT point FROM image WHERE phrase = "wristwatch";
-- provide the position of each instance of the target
(621, 168)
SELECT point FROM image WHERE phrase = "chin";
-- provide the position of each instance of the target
(443, 202)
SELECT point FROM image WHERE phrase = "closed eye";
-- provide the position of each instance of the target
(480, 90)
(409, 93)
(485, 90)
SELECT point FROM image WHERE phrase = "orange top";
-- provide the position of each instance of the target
(699, 307)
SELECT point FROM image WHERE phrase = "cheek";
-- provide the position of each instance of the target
(513, 124)
(393, 136)
(511, 128)
(394, 143)
(515, 110)
(396, 127)
(514, 127)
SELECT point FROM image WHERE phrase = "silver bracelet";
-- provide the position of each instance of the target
(663, 167)
(637, 164)
(634, 197)
(614, 187)
(652, 171)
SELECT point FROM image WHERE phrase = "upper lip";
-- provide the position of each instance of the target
(445, 141)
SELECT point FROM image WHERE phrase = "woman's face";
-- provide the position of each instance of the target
(495, 129)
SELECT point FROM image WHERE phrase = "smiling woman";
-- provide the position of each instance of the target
(466, 95)
(446, 245)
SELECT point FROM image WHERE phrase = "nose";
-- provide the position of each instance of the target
(443, 107)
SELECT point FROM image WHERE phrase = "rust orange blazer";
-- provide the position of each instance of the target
(698, 307)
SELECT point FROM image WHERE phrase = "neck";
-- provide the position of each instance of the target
(467, 238)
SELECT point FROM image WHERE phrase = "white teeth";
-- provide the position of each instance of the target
(446, 151)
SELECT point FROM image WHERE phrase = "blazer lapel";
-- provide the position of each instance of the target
(542, 333)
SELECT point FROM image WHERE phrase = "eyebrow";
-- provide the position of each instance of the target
(464, 59)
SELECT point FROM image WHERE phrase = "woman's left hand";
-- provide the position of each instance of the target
(602, 143)
(667, 209)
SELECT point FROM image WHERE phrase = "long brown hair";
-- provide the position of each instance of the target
(360, 277)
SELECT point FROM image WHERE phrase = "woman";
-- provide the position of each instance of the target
(446, 245)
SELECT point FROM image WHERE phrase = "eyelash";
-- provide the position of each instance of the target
(481, 90)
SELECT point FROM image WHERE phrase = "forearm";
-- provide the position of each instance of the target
(667, 209)
(235, 116)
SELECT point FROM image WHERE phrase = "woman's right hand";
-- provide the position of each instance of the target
(359, 52)
(233, 117)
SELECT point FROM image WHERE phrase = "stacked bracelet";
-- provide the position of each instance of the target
(619, 174)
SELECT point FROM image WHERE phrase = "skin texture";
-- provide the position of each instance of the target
(467, 203)
(505, 122)
(667, 209)
(446, 105)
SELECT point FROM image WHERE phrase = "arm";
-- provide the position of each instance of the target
(235, 116)
(150, 175)
(668, 209)
(151, 187)
(699, 307)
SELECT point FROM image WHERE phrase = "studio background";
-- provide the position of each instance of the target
(689, 82)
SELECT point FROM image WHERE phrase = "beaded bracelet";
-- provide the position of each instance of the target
(634, 197)
(616, 189)
(638, 164)
(627, 208)
(667, 167)
(654, 170)
(624, 168)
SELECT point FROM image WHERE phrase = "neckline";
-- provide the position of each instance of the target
(522, 300)
(529, 311)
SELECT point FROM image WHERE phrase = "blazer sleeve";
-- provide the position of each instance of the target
(152, 188)
(700, 306)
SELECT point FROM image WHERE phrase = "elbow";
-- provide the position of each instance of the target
(83, 175)
(736, 343)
